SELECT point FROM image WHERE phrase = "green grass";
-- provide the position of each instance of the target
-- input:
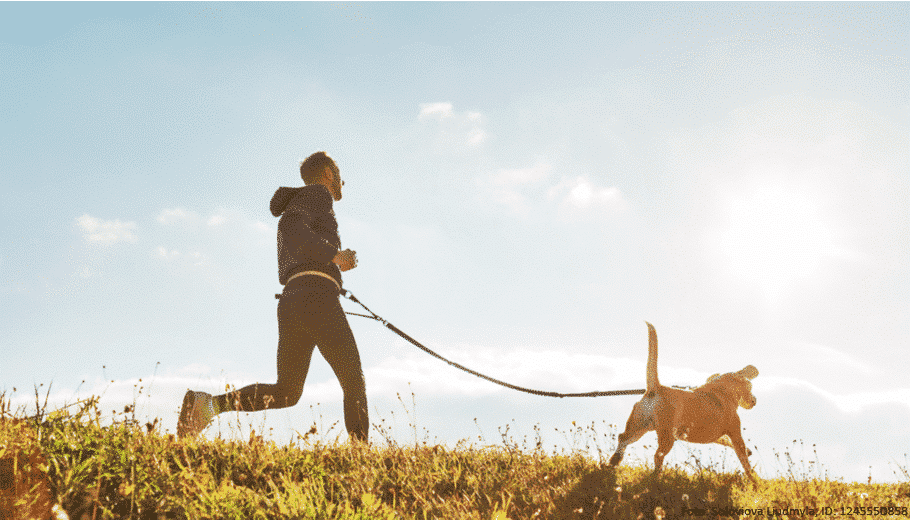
(129, 470)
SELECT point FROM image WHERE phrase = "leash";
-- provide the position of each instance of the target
(347, 294)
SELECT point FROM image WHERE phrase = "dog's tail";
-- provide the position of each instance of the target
(653, 383)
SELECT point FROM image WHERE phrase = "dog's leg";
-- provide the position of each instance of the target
(724, 440)
(665, 441)
(736, 437)
(638, 424)
(626, 438)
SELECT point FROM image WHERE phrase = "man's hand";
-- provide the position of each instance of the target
(345, 260)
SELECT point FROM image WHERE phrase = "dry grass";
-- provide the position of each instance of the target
(129, 470)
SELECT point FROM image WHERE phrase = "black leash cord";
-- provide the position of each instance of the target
(396, 330)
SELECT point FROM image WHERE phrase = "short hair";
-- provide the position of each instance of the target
(312, 168)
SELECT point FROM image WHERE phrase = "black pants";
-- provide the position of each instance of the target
(310, 314)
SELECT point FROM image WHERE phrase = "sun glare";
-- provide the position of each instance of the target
(775, 237)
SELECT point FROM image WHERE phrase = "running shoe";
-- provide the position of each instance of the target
(195, 414)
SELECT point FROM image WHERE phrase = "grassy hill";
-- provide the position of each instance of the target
(129, 470)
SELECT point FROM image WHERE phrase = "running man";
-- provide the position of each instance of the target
(310, 261)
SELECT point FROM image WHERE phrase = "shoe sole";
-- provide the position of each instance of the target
(186, 411)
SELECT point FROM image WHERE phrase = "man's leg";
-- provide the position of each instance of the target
(295, 350)
(338, 347)
(293, 365)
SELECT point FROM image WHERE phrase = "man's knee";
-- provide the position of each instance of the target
(287, 395)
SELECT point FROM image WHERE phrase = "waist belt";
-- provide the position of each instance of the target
(317, 273)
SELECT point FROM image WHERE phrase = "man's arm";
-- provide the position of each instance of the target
(309, 244)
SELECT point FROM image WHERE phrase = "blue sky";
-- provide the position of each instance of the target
(526, 184)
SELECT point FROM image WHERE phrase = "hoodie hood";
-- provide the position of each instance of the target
(315, 196)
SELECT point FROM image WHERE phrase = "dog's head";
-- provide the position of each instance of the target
(737, 383)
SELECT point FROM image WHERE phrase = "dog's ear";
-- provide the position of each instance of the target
(748, 404)
(750, 372)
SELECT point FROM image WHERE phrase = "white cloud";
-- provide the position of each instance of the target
(170, 216)
(262, 227)
(828, 359)
(581, 193)
(227, 217)
(214, 226)
(476, 136)
(218, 245)
(106, 231)
(510, 178)
(851, 403)
(218, 219)
(513, 188)
(454, 131)
(521, 189)
(162, 252)
(436, 110)
(196, 258)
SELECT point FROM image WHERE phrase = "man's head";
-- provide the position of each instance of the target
(319, 168)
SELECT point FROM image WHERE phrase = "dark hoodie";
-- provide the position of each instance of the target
(307, 231)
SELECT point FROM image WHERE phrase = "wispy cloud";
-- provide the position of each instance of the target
(191, 239)
(515, 188)
(523, 189)
(829, 359)
(510, 178)
(220, 218)
(162, 252)
(453, 131)
(847, 403)
(582, 193)
(262, 227)
(436, 110)
(476, 135)
(197, 258)
(232, 218)
(107, 232)
(170, 216)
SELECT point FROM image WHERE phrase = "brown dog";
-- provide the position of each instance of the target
(704, 415)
